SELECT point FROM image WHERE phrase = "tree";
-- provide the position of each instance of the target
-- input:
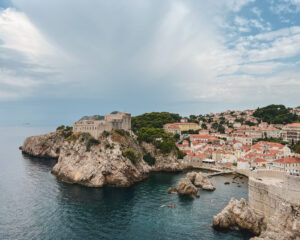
(203, 126)
(276, 114)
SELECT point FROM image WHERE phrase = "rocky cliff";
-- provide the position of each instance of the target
(115, 159)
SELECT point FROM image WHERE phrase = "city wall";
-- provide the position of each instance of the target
(268, 189)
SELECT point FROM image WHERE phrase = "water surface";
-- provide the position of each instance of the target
(35, 205)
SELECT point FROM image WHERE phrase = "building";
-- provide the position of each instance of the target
(119, 120)
(243, 164)
(291, 133)
(288, 164)
(177, 128)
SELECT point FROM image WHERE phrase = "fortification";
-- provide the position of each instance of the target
(268, 189)
(120, 120)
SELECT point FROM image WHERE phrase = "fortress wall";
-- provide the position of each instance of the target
(266, 196)
(292, 189)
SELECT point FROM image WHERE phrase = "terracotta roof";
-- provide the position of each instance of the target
(242, 160)
(288, 160)
(293, 125)
(258, 160)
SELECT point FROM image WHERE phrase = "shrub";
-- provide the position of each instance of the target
(91, 142)
(180, 154)
(105, 134)
(65, 131)
(129, 153)
(149, 159)
(120, 132)
(62, 127)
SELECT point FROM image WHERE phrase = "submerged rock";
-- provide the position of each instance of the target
(172, 190)
(238, 213)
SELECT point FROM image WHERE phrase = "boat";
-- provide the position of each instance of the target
(171, 206)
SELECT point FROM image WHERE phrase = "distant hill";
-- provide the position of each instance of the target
(94, 117)
(276, 114)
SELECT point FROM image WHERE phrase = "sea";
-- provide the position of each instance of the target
(35, 205)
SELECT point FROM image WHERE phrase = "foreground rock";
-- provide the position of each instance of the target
(186, 187)
(238, 213)
(201, 181)
(115, 159)
(283, 225)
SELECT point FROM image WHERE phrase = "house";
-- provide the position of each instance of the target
(243, 164)
(291, 133)
(288, 164)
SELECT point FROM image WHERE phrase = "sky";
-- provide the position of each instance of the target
(60, 60)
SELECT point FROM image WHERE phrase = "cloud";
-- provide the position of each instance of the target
(151, 52)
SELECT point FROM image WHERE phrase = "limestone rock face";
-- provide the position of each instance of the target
(200, 180)
(46, 146)
(238, 213)
(186, 187)
(283, 225)
(164, 163)
(96, 165)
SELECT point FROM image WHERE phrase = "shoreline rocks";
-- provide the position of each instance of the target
(284, 224)
(239, 214)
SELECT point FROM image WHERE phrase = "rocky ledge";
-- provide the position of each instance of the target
(115, 159)
(283, 225)
(238, 213)
(193, 182)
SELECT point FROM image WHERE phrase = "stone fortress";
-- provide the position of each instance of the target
(119, 120)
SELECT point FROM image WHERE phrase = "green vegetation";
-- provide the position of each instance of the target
(149, 128)
(89, 140)
(65, 131)
(296, 147)
(276, 114)
(153, 120)
(203, 126)
(218, 127)
(249, 123)
(121, 132)
(129, 153)
(149, 159)
(190, 132)
(275, 140)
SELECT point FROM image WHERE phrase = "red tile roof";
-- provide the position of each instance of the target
(288, 160)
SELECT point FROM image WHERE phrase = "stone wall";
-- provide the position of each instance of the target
(119, 120)
(268, 189)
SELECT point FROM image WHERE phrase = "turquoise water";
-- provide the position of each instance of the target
(34, 205)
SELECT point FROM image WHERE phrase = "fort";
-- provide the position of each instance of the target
(119, 120)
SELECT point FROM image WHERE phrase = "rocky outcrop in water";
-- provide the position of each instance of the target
(193, 182)
(115, 159)
(186, 187)
(201, 181)
(239, 214)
